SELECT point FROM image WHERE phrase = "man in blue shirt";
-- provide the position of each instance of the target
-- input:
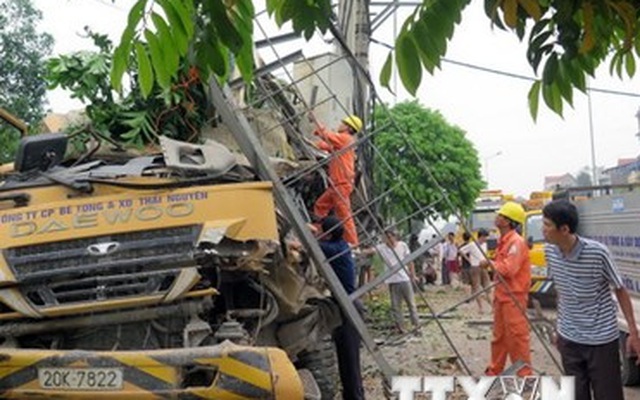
(346, 337)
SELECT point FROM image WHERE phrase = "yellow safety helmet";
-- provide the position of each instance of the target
(354, 122)
(512, 210)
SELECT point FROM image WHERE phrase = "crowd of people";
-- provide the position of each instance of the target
(588, 344)
(582, 270)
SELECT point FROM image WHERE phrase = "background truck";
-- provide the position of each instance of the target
(610, 215)
(158, 275)
(542, 288)
(483, 216)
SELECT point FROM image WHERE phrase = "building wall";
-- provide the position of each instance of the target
(339, 79)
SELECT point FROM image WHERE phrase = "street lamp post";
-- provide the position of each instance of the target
(638, 118)
(594, 172)
(486, 165)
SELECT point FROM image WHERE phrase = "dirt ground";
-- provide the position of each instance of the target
(431, 354)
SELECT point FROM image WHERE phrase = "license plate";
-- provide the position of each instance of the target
(81, 378)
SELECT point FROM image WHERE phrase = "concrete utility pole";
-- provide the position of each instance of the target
(355, 25)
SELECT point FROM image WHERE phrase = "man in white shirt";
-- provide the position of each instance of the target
(474, 252)
(392, 252)
(451, 267)
(435, 254)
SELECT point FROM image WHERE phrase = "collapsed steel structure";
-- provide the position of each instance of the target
(291, 95)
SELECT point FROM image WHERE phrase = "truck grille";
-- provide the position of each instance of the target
(104, 267)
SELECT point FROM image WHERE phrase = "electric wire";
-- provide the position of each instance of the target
(511, 74)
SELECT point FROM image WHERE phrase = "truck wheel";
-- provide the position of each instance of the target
(630, 371)
(322, 364)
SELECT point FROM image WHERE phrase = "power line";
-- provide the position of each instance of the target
(513, 75)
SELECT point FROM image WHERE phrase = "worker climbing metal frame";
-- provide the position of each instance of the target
(366, 211)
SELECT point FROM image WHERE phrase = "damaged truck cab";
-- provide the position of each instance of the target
(159, 276)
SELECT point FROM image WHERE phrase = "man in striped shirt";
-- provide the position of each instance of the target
(583, 272)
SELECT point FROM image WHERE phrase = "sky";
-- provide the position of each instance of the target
(516, 153)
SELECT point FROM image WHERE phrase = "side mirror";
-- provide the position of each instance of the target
(40, 152)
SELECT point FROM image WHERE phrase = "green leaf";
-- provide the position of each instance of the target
(244, 12)
(167, 45)
(630, 64)
(119, 65)
(445, 14)
(564, 81)
(408, 61)
(185, 16)
(214, 55)
(619, 62)
(227, 32)
(550, 69)
(164, 31)
(121, 53)
(136, 13)
(244, 61)
(437, 29)
(613, 63)
(539, 40)
(520, 31)
(145, 72)
(180, 32)
(429, 53)
(130, 134)
(538, 27)
(157, 60)
(534, 97)
(576, 75)
(556, 96)
(536, 50)
(547, 95)
(552, 98)
(491, 10)
(272, 6)
(385, 75)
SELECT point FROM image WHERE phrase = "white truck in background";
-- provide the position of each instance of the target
(611, 215)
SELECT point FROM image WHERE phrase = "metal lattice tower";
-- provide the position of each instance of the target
(293, 86)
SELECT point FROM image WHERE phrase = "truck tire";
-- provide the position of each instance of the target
(322, 364)
(629, 370)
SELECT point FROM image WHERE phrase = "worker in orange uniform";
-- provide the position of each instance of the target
(341, 174)
(513, 274)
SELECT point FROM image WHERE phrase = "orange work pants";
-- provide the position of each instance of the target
(510, 337)
(338, 198)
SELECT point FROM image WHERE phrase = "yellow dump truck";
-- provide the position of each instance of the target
(542, 288)
(157, 276)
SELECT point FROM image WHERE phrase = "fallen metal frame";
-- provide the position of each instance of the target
(247, 139)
